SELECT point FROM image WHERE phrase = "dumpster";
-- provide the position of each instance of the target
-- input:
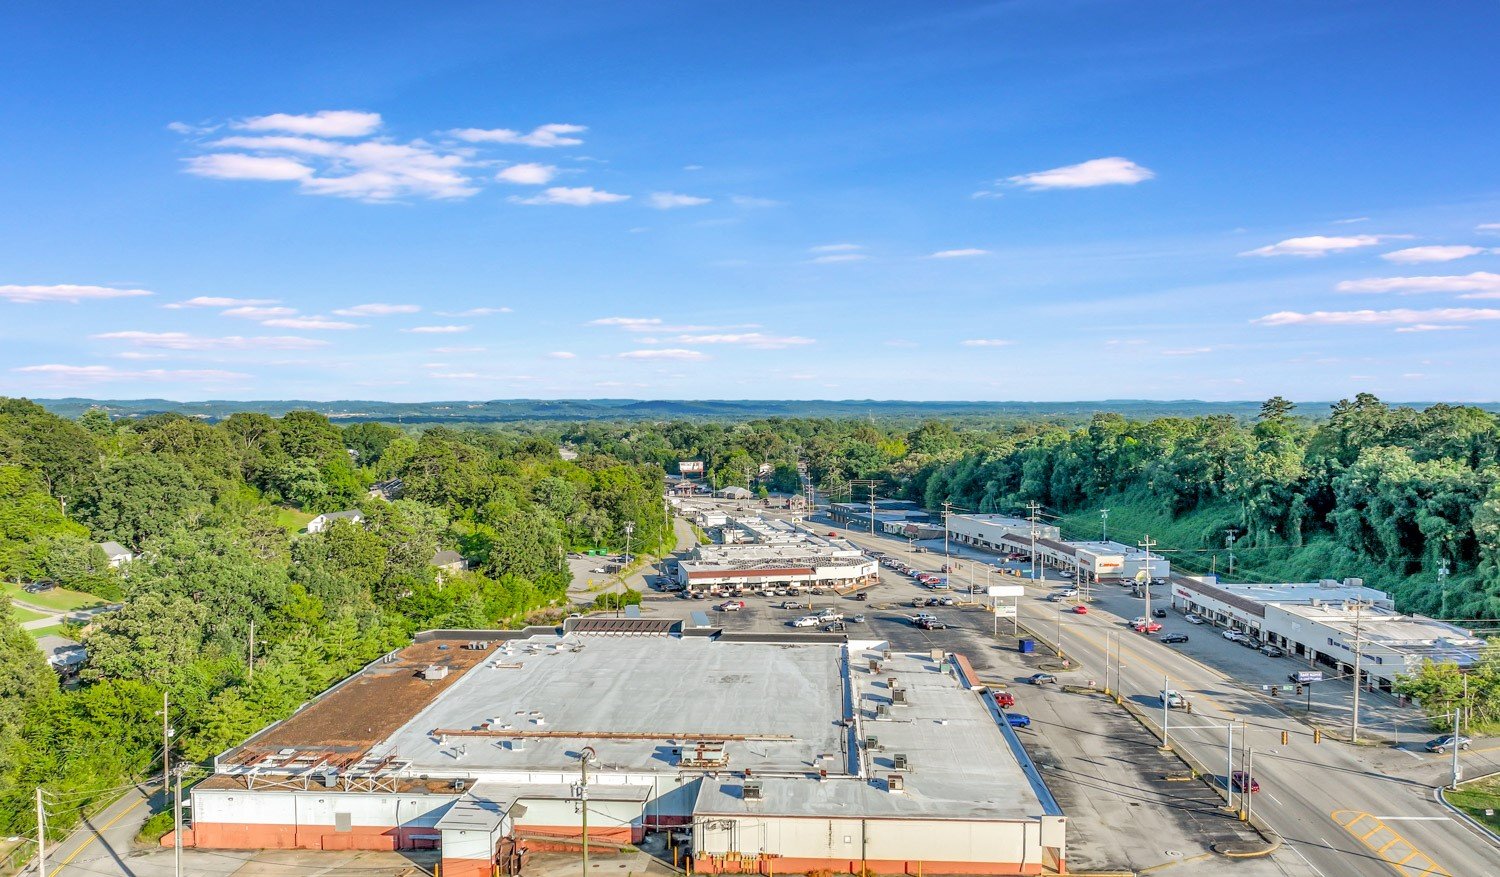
(1028, 646)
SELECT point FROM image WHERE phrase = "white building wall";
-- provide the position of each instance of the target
(314, 807)
(910, 840)
(974, 531)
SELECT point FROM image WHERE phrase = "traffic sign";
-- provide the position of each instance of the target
(1005, 590)
(1310, 676)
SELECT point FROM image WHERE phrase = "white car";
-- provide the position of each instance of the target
(1192, 619)
(807, 621)
(1070, 592)
(1233, 635)
(1170, 698)
(828, 615)
(1139, 620)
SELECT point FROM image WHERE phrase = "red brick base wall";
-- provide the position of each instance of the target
(241, 836)
(794, 865)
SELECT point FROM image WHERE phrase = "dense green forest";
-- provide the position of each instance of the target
(1390, 494)
(214, 513)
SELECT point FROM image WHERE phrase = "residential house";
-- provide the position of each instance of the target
(323, 521)
(387, 490)
(448, 561)
(118, 554)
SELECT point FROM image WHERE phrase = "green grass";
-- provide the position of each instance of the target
(51, 630)
(1477, 797)
(293, 520)
(60, 599)
(24, 615)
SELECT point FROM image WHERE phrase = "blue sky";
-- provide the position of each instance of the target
(1018, 200)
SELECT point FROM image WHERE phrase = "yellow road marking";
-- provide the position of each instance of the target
(1421, 865)
(97, 832)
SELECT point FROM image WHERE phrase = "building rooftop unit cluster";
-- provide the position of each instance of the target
(1411, 637)
(718, 733)
(773, 553)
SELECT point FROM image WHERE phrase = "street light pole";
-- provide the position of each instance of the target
(41, 834)
(583, 800)
(1104, 525)
(1166, 710)
(629, 529)
(1359, 606)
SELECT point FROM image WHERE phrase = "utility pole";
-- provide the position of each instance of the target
(251, 664)
(1458, 772)
(1229, 762)
(1359, 606)
(1229, 538)
(1147, 544)
(1104, 525)
(1166, 710)
(629, 529)
(946, 506)
(1032, 517)
(1249, 775)
(41, 833)
(166, 746)
(1442, 578)
(583, 800)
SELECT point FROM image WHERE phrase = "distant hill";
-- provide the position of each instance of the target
(513, 410)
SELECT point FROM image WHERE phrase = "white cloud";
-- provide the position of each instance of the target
(959, 254)
(1434, 253)
(835, 248)
(474, 312)
(455, 376)
(239, 166)
(110, 373)
(987, 342)
(838, 257)
(376, 309)
(671, 200)
(1432, 327)
(1316, 245)
(436, 330)
(184, 341)
(529, 174)
(319, 323)
(139, 354)
(749, 339)
(325, 123)
(664, 353)
(573, 196)
(1482, 283)
(1351, 220)
(1394, 317)
(986, 193)
(1488, 228)
(1113, 171)
(562, 354)
(629, 324)
(217, 301)
(67, 292)
(1187, 351)
(751, 201)
(255, 312)
(692, 167)
(542, 136)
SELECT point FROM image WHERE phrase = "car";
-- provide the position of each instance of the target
(1193, 619)
(790, 604)
(1243, 782)
(855, 619)
(1004, 699)
(835, 627)
(943, 601)
(1042, 679)
(831, 533)
(806, 621)
(862, 597)
(919, 602)
(931, 624)
(828, 615)
(1446, 742)
(1271, 651)
(1080, 609)
(1158, 613)
(1233, 635)
(1147, 628)
(1174, 638)
(1170, 698)
(1138, 620)
(923, 616)
(1018, 720)
(1069, 592)
(731, 606)
(39, 587)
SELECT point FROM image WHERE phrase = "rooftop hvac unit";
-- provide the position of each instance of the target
(330, 779)
(882, 711)
(752, 791)
(893, 783)
(898, 761)
(460, 785)
(517, 744)
(874, 665)
(1354, 583)
(434, 671)
(872, 742)
(898, 695)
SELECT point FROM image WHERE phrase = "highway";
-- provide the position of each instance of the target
(1339, 814)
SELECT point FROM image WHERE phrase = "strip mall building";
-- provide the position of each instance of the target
(778, 753)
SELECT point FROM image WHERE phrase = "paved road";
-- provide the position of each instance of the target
(1343, 810)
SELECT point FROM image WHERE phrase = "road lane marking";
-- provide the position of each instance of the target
(1304, 859)
(1414, 818)
(98, 832)
(1414, 863)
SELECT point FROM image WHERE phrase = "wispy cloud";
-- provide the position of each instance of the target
(377, 309)
(325, 123)
(1113, 171)
(835, 248)
(664, 353)
(255, 312)
(672, 200)
(186, 341)
(629, 324)
(103, 373)
(1435, 253)
(65, 292)
(1478, 284)
(529, 174)
(900, 342)
(832, 258)
(474, 312)
(1393, 317)
(959, 254)
(1351, 220)
(239, 166)
(562, 354)
(1488, 228)
(1317, 245)
(314, 323)
(748, 339)
(218, 301)
(544, 136)
(987, 342)
(572, 196)
(1187, 351)
(436, 330)
(1432, 327)
(458, 349)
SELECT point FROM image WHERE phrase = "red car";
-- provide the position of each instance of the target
(831, 533)
(1148, 627)
(1004, 699)
(1080, 609)
(1243, 782)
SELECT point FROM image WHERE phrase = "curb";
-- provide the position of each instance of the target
(1484, 830)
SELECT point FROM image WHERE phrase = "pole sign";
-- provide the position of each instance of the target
(690, 467)
(1310, 676)
(1006, 590)
(1005, 612)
